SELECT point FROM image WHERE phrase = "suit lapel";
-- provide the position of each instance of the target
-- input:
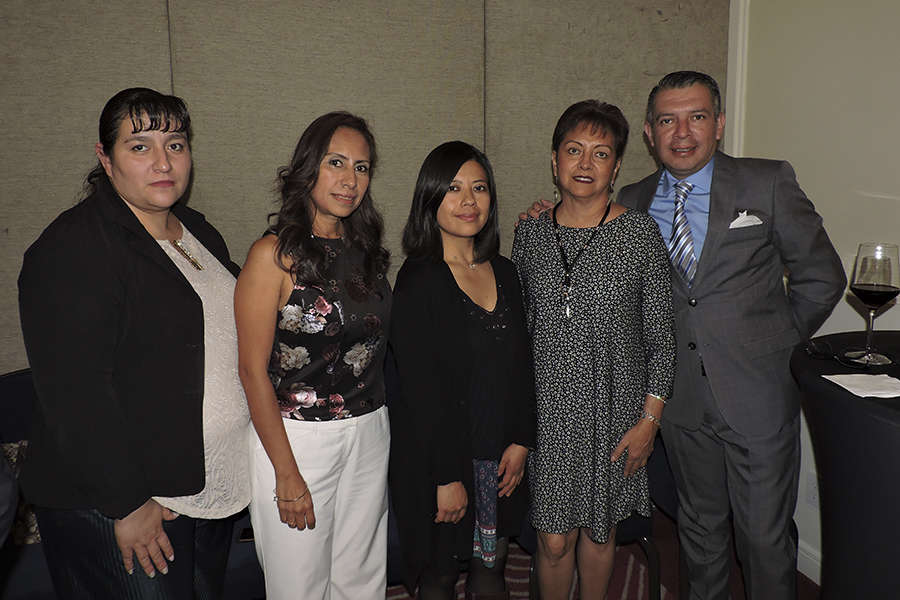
(721, 211)
(647, 190)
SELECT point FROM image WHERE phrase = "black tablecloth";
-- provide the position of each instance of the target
(857, 449)
(808, 370)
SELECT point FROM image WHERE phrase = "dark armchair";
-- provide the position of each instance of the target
(23, 569)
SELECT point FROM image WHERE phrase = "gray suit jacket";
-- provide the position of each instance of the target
(737, 323)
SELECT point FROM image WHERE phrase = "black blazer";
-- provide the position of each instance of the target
(114, 336)
(430, 443)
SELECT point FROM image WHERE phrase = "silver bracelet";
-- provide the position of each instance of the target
(660, 398)
(651, 418)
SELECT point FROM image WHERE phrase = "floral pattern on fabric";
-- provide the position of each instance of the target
(330, 342)
(484, 544)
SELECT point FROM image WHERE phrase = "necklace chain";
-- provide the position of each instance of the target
(569, 268)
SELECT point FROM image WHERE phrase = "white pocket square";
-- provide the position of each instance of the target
(745, 220)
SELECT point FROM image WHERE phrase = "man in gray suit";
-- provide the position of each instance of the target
(735, 228)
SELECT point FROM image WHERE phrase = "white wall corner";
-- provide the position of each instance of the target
(736, 85)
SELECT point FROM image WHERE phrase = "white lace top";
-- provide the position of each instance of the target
(226, 418)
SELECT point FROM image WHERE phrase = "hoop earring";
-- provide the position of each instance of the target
(611, 189)
(555, 196)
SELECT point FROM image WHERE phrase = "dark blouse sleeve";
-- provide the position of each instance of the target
(426, 422)
(523, 416)
(519, 257)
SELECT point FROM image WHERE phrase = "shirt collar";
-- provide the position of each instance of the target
(701, 180)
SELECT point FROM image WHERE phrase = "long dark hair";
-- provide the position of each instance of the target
(293, 221)
(422, 236)
(148, 110)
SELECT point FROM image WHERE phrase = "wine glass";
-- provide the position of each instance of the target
(875, 281)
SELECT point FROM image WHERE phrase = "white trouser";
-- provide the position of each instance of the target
(345, 464)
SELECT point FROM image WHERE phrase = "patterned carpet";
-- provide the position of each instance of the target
(629, 578)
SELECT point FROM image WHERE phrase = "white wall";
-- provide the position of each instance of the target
(817, 83)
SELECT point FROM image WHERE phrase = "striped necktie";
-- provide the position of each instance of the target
(681, 246)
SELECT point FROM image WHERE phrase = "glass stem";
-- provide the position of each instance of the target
(870, 331)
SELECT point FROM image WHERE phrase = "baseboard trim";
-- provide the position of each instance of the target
(809, 562)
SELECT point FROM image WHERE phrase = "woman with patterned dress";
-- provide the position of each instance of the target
(595, 277)
(312, 307)
(464, 418)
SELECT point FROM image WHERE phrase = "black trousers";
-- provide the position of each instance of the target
(85, 563)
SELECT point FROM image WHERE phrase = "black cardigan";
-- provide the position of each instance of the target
(430, 442)
(114, 336)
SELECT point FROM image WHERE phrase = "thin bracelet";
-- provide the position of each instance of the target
(660, 398)
(651, 418)
(275, 498)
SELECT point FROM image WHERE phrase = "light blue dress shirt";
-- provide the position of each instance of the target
(696, 208)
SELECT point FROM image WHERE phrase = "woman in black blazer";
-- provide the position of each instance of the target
(119, 298)
(464, 419)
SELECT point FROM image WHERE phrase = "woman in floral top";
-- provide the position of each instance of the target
(312, 308)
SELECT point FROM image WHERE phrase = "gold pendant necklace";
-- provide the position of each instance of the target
(179, 246)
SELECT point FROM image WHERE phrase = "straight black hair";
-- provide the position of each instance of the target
(422, 236)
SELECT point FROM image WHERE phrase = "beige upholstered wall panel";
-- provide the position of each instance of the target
(255, 79)
(61, 61)
(255, 75)
(543, 56)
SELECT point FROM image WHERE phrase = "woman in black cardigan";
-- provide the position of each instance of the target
(464, 419)
(127, 317)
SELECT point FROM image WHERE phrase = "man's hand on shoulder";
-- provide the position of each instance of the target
(535, 211)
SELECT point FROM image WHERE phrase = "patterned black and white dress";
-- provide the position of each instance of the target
(594, 368)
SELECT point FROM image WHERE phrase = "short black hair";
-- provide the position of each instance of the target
(599, 115)
(422, 236)
(683, 79)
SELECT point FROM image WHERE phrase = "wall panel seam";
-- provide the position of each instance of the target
(169, 27)
(484, 123)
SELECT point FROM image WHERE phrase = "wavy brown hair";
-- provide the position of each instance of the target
(293, 222)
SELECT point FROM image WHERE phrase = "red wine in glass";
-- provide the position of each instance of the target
(874, 295)
(875, 281)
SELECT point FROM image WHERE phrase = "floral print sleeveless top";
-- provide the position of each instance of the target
(330, 342)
